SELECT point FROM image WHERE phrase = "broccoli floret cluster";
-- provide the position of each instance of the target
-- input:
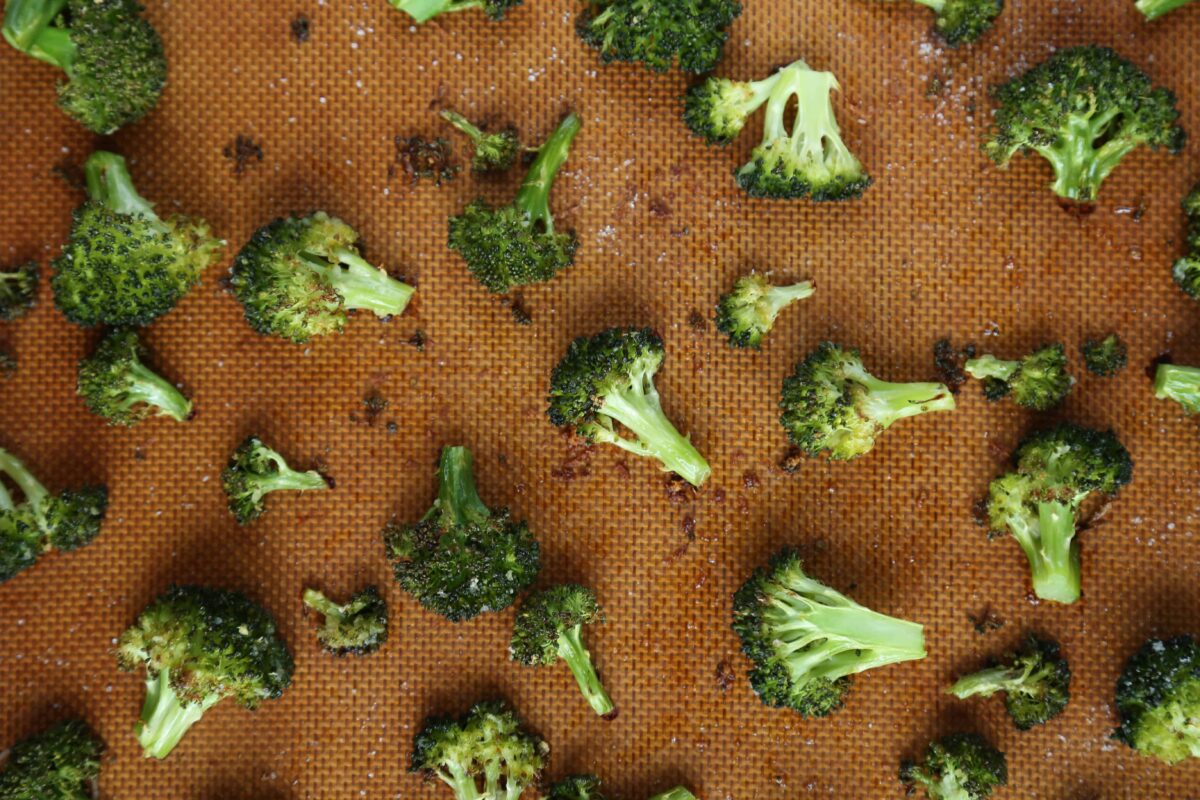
(576, 787)
(1179, 383)
(747, 313)
(18, 290)
(690, 33)
(1187, 269)
(116, 385)
(425, 10)
(960, 22)
(254, 471)
(358, 626)
(1036, 683)
(1158, 698)
(1039, 380)
(1105, 357)
(60, 763)
(493, 151)
(961, 766)
(1153, 9)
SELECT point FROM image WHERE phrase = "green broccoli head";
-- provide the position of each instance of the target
(516, 244)
(359, 626)
(254, 471)
(425, 10)
(1083, 110)
(60, 763)
(961, 22)
(1179, 383)
(1036, 683)
(690, 33)
(493, 151)
(806, 639)
(961, 766)
(462, 559)
(116, 385)
(549, 626)
(1187, 269)
(18, 290)
(1158, 698)
(831, 405)
(200, 646)
(300, 277)
(1039, 381)
(1105, 357)
(608, 379)
(1153, 9)
(576, 787)
(485, 748)
(747, 313)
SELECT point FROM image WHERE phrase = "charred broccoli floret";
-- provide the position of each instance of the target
(116, 385)
(1178, 383)
(1153, 9)
(60, 763)
(1187, 269)
(960, 22)
(576, 787)
(254, 471)
(18, 290)
(425, 10)
(198, 647)
(961, 766)
(493, 151)
(691, 33)
(747, 313)
(1105, 357)
(1158, 698)
(358, 626)
(1039, 380)
(1036, 683)
(462, 558)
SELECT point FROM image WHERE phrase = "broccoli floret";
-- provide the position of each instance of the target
(113, 59)
(1187, 269)
(1158, 698)
(116, 385)
(1083, 110)
(122, 264)
(60, 763)
(462, 558)
(691, 33)
(485, 746)
(961, 766)
(199, 646)
(1036, 683)
(747, 313)
(516, 244)
(425, 10)
(1178, 383)
(960, 22)
(1153, 9)
(300, 277)
(832, 405)
(359, 626)
(608, 379)
(549, 626)
(493, 151)
(1105, 357)
(1038, 502)
(18, 290)
(806, 639)
(678, 793)
(576, 787)
(1039, 380)
(255, 471)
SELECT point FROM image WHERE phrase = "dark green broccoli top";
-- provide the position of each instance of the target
(576, 787)
(60, 763)
(691, 33)
(1158, 698)
(961, 766)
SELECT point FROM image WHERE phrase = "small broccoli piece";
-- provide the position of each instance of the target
(576, 787)
(608, 379)
(1036, 683)
(832, 405)
(516, 245)
(1158, 698)
(60, 763)
(18, 290)
(961, 766)
(116, 385)
(1187, 269)
(806, 639)
(493, 151)
(960, 22)
(122, 264)
(8, 364)
(462, 558)
(1038, 502)
(1083, 110)
(359, 626)
(747, 313)
(1105, 357)
(691, 33)
(255, 471)
(718, 108)
(678, 793)
(299, 277)
(486, 745)
(1039, 380)
(425, 10)
(1153, 9)
(1178, 383)
(112, 57)
(549, 626)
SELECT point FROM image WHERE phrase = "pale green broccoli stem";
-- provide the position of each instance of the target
(164, 718)
(458, 499)
(425, 10)
(1050, 546)
(987, 682)
(285, 477)
(6, 501)
(361, 284)
(35, 494)
(1153, 9)
(1079, 167)
(493, 773)
(110, 184)
(886, 402)
(989, 366)
(572, 651)
(936, 5)
(534, 196)
(1178, 383)
(322, 604)
(146, 386)
(463, 124)
(944, 787)
(28, 26)
(778, 298)
(815, 135)
(678, 793)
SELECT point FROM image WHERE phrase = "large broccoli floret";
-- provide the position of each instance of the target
(1187, 269)
(516, 244)
(806, 639)
(1038, 502)
(832, 405)
(576, 787)
(608, 380)
(1178, 383)
(116, 385)
(198, 647)
(254, 471)
(425, 10)
(123, 265)
(358, 626)
(1036, 683)
(60, 763)
(18, 290)
(484, 755)
(1153, 9)
(1039, 380)
(462, 558)
(493, 151)
(112, 57)
(1083, 110)
(1158, 698)
(961, 22)
(300, 277)
(747, 313)
(691, 33)
(549, 626)
(961, 766)
(1105, 357)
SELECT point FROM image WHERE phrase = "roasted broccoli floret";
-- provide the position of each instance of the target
(493, 151)
(960, 22)
(60, 763)
(807, 160)
(1083, 110)
(116, 385)
(549, 626)
(358, 626)
(678, 793)
(1187, 269)
(1039, 380)
(516, 244)
(691, 33)
(425, 10)
(1158, 698)
(198, 647)
(747, 313)
(832, 405)
(122, 264)
(1153, 9)
(576, 787)
(1105, 357)
(18, 290)
(1178, 383)
(1036, 683)
(484, 755)
(300, 277)
(462, 558)
(113, 59)
(961, 766)
(1039, 501)
(255, 471)
(806, 639)
(608, 379)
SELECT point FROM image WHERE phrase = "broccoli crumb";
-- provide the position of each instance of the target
(300, 29)
(417, 340)
(949, 362)
(243, 151)
(430, 159)
(1105, 357)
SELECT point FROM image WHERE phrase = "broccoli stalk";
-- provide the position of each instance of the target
(165, 719)
(116, 385)
(1036, 683)
(1178, 383)
(425, 10)
(493, 151)
(1153, 9)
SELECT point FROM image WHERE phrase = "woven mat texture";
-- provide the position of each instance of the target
(943, 245)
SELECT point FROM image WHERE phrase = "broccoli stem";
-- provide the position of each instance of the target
(1080, 168)
(534, 196)
(290, 479)
(146, 386)
(887, 402)
(164, 718)
(463, 124)
(986, 682)
(109, 183)
(425, 10)
(361, 284)
(461, 783)
(1052, 551)
(778, 298)
(34, 492)
(637, 408)
(458, 498)
(28, 27)
(572, 651)
(988, 366)
(936, 5)
(320, 603)
(1178, 383)
(1153, 9)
